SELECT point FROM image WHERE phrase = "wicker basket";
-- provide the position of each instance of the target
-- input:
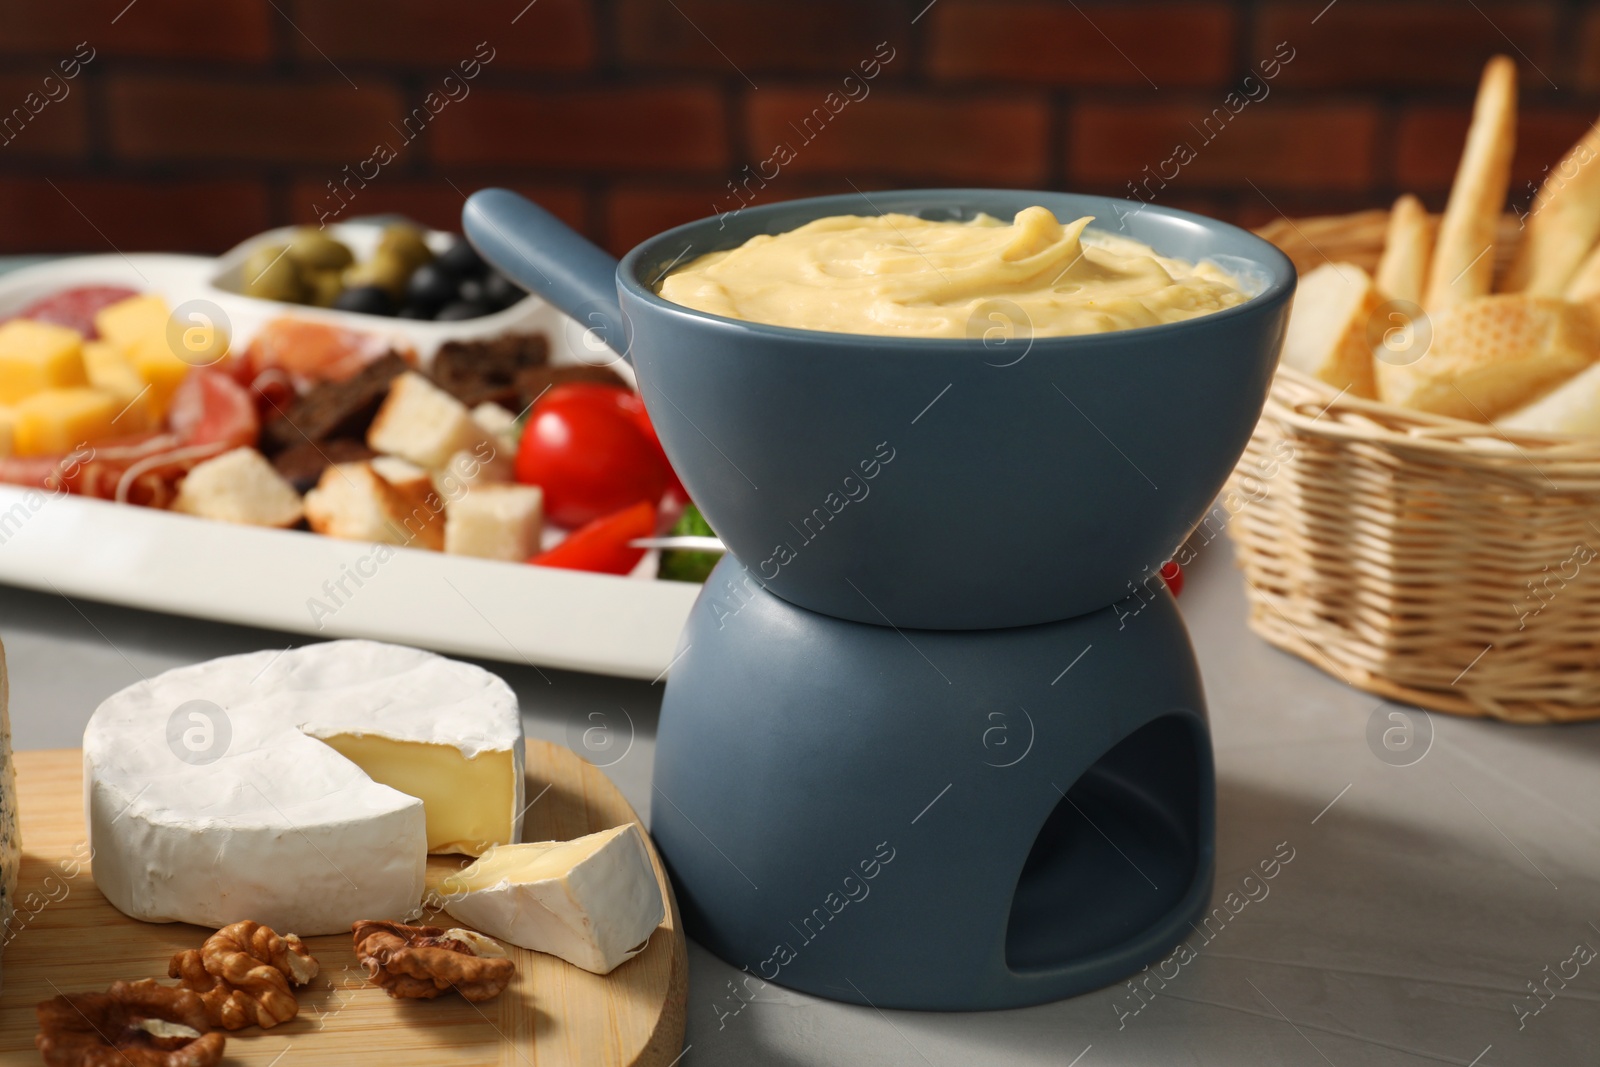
(1424, 559)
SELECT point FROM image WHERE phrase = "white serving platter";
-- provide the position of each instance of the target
(305, 583)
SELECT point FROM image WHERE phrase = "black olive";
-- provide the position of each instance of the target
(472, 291)
(416, 311)
(367, 299)
(430, 287)
(461, 309)
(461, 260)
(501, 291)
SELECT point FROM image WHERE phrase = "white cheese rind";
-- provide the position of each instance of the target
(256, 819)
(597, 914)
(284, 871)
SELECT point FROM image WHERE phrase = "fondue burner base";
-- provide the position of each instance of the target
(941, 820)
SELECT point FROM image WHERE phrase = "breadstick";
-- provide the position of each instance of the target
(1563, 223)
(1463, 258)
(1403, 270)
(1585, 283)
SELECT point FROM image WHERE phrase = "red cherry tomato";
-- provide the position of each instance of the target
(621, 398)
(602, 545)
(618, 397)
(1172, 574)
(642, 419)
(590, 458)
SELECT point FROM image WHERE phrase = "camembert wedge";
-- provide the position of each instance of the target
(593, 901)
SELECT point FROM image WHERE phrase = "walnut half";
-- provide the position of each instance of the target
(243, 974)
(422, 962)
(132, 1024)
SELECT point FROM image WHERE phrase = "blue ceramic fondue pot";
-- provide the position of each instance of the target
(998, 480)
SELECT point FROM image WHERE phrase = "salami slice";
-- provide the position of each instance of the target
(75, 308)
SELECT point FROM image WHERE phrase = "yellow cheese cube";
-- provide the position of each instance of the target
(8, 423)
(103, 358)
(38, 355)
(127, 321)
(112, 372)
(104, 361)
(197, 340)
(56, 421)
(160, 367)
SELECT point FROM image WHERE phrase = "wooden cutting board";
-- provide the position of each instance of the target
(66, 938)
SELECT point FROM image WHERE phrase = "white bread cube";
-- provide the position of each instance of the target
(422, 509)
(422, 423)
(1572, 407)
(354, 502)
(239, 486)
(351, 501)
(1493, 354)
(495, 522)
(498, 422)
(1327, 336)
(484, 465)
(402, 474)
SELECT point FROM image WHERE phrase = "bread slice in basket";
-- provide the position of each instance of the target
(1511, 356)
(1327, 334)
(1572, 407)
(1493, 354)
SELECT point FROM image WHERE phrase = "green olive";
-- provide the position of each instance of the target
(270, 274)
(315, 250)
(385, 270)
(260, 258)
(325, 286)
(407, 242)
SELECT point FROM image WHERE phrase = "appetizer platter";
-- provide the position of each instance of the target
(358, 432)
(361, 855)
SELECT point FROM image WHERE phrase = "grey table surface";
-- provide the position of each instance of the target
(1420, 903)
(1442, 904)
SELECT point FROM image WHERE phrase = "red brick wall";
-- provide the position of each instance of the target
(199, 122)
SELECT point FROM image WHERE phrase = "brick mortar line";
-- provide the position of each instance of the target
(282, 35)
(1569, 43)
(608, 36)
(594, 190)
(1060, 164)
(1247, 14)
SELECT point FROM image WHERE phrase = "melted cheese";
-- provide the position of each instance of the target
(899, 275)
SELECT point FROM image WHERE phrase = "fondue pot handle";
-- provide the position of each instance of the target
(544, 255)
